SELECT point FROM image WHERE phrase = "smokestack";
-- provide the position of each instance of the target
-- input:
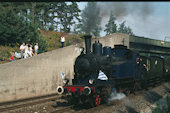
(88, 43)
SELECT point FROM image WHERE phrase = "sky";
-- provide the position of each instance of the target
(147, 19)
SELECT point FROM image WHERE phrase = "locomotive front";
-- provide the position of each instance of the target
(86, 64)
(86, 86)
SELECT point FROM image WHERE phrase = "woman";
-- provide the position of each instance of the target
(26, 51)
(30, 53)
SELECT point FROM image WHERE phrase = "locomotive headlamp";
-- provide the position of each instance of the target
(91, 81)
(60, 90)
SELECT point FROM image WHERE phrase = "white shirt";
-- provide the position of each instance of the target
(22, 47)
(62, 39)
(102, 76)
(36, 47)
(26, 49)
(30, 49)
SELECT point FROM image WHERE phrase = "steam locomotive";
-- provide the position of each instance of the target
(105, 70)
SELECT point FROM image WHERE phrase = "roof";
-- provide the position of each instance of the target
(148, 41)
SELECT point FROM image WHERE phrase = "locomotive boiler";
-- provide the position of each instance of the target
(104, 70)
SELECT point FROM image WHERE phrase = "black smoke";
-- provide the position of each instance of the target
(122, 9)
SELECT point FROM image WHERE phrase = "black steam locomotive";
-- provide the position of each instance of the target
(104, 70)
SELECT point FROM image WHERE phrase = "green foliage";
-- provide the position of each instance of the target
(73, 39)
(53, 39)
(16, 29)
(21, 22)
(111, 27)
(70, 14)
(43, 44)
(12, 27)
(123, 29)
(58, 16)
(78, 28)
(5, 52)
(47, 15)
(91, 19)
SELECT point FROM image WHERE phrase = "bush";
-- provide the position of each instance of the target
(42, 43)
(5, 52)
(53, 39)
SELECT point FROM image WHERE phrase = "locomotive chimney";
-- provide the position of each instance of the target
(88, 43)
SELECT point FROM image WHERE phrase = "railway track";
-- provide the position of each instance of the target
(27, 102)
(72, 109)
(64, 109)
(67, 108)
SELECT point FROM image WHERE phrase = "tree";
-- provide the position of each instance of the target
(91, 19)
(12, 28)
(123, 29)
(67, 15)
(129, 31)
(20, 22)
(15, 29)
(111, 27)
(52, 10)
(77, 28)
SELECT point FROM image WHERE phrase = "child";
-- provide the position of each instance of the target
(12, 57)
(36, 49)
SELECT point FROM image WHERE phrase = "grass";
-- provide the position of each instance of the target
(53, 38)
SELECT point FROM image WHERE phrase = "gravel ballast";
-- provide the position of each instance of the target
(143, 102)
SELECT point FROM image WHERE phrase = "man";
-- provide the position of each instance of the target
(22, 48)
(36, 48)
(62, 41)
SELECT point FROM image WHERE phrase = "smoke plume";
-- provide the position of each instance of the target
(146, 19)
(115, 96)
(122, 9)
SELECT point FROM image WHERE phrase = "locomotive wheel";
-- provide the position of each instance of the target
(97, 100)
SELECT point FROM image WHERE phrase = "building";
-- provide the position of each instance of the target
(145, 46)
(149, 47)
